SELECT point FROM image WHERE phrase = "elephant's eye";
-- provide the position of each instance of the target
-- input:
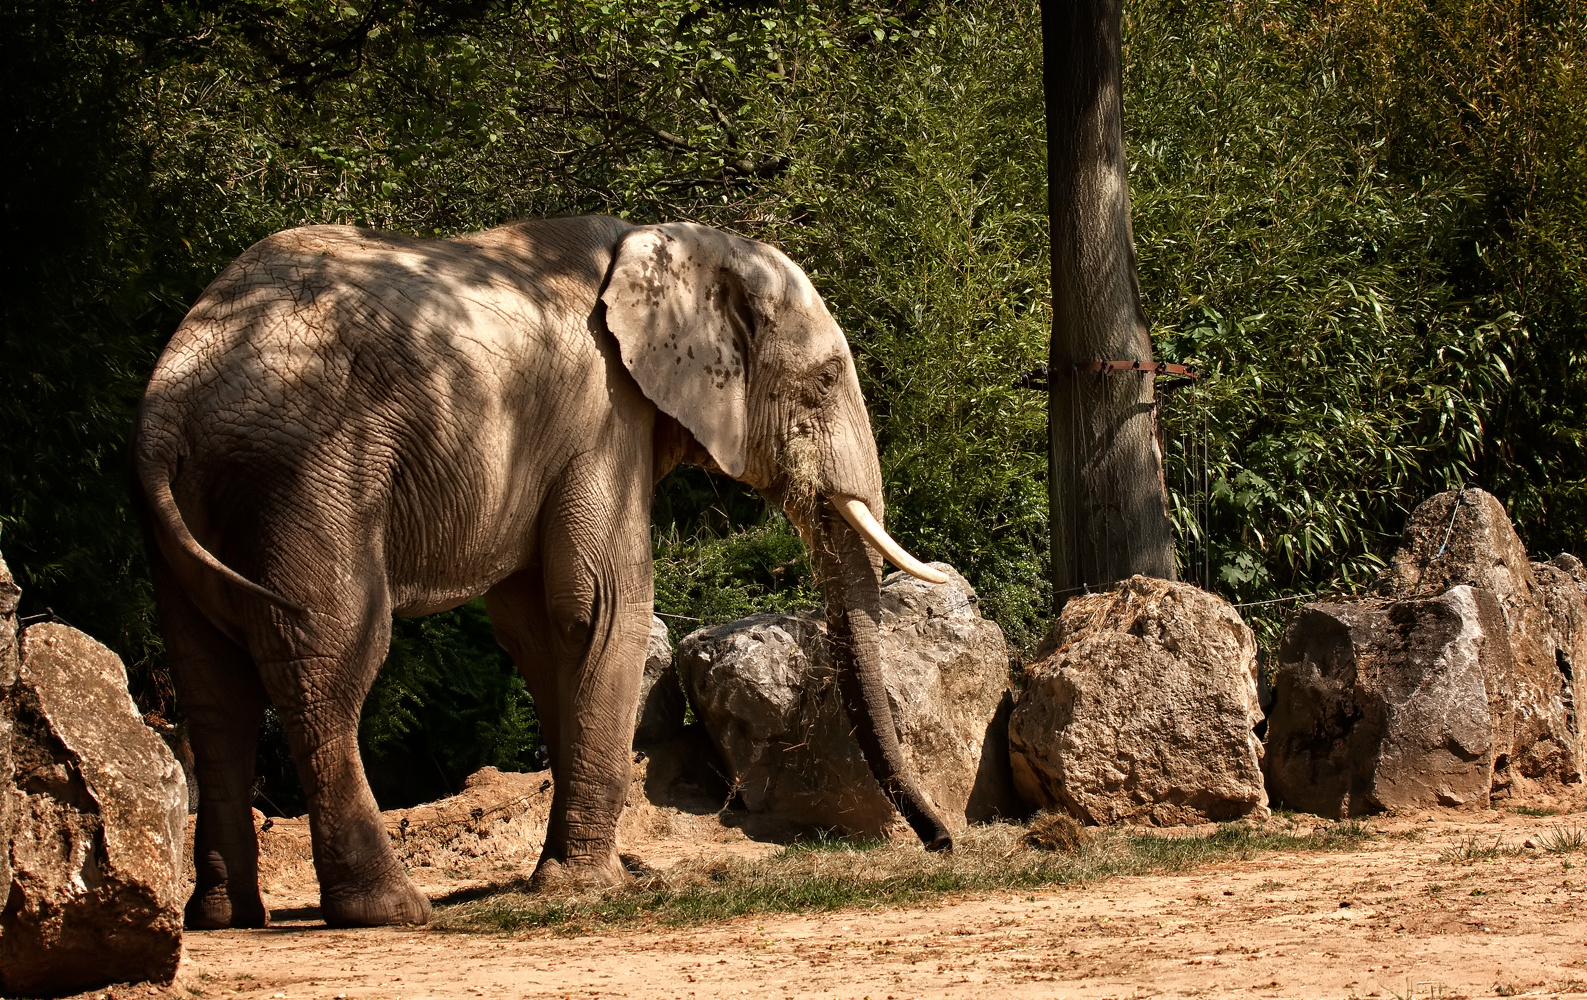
(820, 382)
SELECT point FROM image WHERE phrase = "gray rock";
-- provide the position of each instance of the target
(10, 595)
(1466, 538)
(1572, 565)
(1144, 711)
(766, 690)
(661, 704)
(1389, 704)
(1565, 601)
(101, 806)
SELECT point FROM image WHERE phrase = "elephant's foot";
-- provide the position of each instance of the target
(390, 900)
(213, 908)
(579, 871)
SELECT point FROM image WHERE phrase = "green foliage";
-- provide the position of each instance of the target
(931, 251)
(708, 579)
(1340, 212)
(448, 702)
(1366, 220)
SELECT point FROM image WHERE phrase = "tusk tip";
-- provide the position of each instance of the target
(863, 521)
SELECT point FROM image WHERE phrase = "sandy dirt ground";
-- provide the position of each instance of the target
(1400, 917)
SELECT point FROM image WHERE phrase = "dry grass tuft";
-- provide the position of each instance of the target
(1563, 840)
(1057, 832)
(1473, 849)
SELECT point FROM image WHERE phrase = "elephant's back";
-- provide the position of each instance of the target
(344, 374)
(328, 318)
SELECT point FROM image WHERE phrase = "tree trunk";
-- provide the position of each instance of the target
(1109, 516)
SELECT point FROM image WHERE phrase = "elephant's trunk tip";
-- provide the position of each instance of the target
(860, 518)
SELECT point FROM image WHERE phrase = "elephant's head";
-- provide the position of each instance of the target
(729, 337)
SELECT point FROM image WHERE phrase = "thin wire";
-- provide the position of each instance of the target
(1105, 470)
(1460, 497)
(1188, 499)
(1206, 504)
(1076, 567)
(1278, 600)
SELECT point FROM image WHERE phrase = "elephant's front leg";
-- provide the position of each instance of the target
(579, 633)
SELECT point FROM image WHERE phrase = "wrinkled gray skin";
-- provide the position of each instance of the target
(351, 424)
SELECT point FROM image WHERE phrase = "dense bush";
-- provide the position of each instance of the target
(1365, 220)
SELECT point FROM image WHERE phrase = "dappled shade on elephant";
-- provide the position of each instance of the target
(351, 424)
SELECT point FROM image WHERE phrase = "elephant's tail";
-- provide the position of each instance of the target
(176, 542)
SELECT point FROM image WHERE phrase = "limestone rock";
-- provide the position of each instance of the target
(1144, 711)
(97, 887)
(1390, 704)
(1466, 538)
(1455, 538)
(10, 595)
(1571, 565)
(766, 690)
(1565, 601)
(661, 702)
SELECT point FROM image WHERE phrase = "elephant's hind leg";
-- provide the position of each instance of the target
(318, 679)
(224, 703)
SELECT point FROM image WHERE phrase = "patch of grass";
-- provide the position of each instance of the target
(832, 874)
(1473, 849)
(831, 842)
(1534, 811)
(1562, 840)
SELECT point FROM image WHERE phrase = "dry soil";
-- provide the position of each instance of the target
(1422, 908)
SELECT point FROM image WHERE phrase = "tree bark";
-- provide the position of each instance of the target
(1108, 505)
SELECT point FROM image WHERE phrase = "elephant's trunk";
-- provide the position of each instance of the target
(853, 598)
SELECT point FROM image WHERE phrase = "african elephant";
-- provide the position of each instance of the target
(351, 424)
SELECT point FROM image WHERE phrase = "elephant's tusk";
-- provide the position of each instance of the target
(860, 517)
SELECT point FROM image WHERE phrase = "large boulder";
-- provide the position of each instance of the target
(1383, 704)
(10, 595)
(1144, 712)
(661, 705)
(1465, 538)
(766, 690)
(101, 805)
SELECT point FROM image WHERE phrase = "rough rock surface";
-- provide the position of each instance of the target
(661, 702)
(10, 594)
(97, 886)
(1144, 711)
(766, 690)
(1466, 538)
(1564, 598)
(1384, 704)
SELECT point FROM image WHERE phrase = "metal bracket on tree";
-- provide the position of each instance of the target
(1182, 375)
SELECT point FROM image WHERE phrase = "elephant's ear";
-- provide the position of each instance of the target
(683, 323)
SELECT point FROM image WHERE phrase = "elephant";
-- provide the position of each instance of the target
(351, 424)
